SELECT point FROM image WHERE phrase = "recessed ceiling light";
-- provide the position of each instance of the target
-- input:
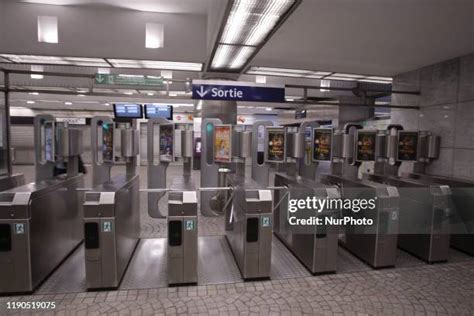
(107, 104)
(33, 93)
(30, 102)
(68, 103)
(154, 35)
(268, 109)
(48, 29)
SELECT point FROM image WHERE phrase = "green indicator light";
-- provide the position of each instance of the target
(209, 127)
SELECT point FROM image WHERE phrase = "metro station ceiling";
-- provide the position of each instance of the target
(375, 37)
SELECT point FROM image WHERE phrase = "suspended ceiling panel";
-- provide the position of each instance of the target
(377, 37)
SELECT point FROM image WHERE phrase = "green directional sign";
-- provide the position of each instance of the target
(129, 80)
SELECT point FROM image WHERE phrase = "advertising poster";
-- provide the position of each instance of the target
(276, 145)
(407, 146)
(365, 146)
(322, 144)
(49, 142)
(166, 142)
(223, 143)
(108, 142)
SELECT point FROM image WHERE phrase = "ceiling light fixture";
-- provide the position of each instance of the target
(248, 25)
(284, 72)
(39, 69)
(56, 60)
(155, 64)
(33, 93)
(68, 103)
(48, 29)
(154, 35)
(30, 102)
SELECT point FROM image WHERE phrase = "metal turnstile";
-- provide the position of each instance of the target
(424, 217)
(462, 219)
(8, 182)
(249, 227)
(377, 244)
(111, 230)
(315, 247)
(40, 222)
(182, 232)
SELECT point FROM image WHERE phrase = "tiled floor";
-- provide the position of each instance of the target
(412, 288)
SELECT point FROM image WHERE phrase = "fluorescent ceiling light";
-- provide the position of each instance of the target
(107, 104)
(284, 72)
(248, 24)
(353, 76)
(55, 60)
(48, 29)
(36, 68)
(375, 81)
(150, 94)
(268, 109)
(81, 95)
(30, 102)
(155, 64)
(167, 74)
(33, 93)
(339, 78)
(104, 71)
(154, 35)
(261, 79)
(128, 92)
(68, 103)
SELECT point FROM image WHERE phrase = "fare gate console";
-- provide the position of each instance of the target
(112, 206)
(425, 208)
(375, 244)
(40, 222)
(316, 246)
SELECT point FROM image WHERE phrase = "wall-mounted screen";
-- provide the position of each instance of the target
(365, 145)
(407, 148)
(156, 111)
(108, 142)
(49, 142)
(275, 138)
(166, 142)
(223, 143)
(322, 144)
(131, 111)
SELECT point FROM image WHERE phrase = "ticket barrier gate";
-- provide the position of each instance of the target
(182, 233)
(249, 226)
(40, 222)
(425, 209)
(376, 244)
(8, 182)
(315, 246)
(462, 220)
(111, 207)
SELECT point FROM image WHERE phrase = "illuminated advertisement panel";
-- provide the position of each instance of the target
(275, 139)
(407, 148)
(365, 145)
(108, 142)
(166, 142)
(322, 144)
(223, 143)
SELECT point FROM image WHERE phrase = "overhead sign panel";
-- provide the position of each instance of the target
(237, 91)
(129, 80)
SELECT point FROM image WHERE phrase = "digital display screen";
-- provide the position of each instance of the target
(166, 142)
(198, 146)
(133, 111)
(276, 144)
(223, 143)
(407, 149)
(156, 111)
(108, 142)
(365, 145)
(49, 142)
(322, 144)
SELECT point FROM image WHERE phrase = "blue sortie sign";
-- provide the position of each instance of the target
(212, 91)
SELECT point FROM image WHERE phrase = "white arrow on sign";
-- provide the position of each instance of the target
(201, 92)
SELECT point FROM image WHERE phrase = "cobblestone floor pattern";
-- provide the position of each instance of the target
(413, 288)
